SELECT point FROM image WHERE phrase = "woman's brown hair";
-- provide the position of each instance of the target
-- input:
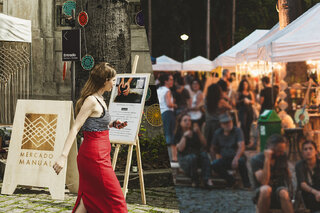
(178, 128)
(98, 76)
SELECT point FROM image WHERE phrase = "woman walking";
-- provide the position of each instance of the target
(99, 188)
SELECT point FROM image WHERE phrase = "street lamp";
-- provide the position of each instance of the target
(184, 38)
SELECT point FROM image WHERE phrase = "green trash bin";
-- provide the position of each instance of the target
(269, 123)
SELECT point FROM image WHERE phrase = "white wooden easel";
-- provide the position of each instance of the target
(129, 157)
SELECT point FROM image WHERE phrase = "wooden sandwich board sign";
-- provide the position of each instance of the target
(40, 128)
(129, 108)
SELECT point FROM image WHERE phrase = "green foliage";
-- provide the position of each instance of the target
(172, 18)
(254, 14)
(153, 151)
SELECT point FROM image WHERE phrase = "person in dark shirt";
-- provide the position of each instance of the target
(228, 142)
(268, 95)
(182, 97)
(215, 105)
(308, 176)
(224, 81)
(272, 177)
(245, 100)
(190, 144)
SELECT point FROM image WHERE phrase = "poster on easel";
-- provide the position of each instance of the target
(126, 104)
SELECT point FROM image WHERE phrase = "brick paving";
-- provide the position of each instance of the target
(214, 201)
(221, 200)
(160, 199)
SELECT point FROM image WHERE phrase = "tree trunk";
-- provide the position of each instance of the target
(289, 10)
(106, 37)
(284, 17)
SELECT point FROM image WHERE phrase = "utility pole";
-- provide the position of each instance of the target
(233, 21)
(208, 29)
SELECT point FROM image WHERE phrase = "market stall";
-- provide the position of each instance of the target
(15, 65)
(165, 63)
(250, 54)
(198, 63)
(228, 58)
(298, 42)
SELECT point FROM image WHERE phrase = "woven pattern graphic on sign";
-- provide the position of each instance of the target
(39, 131)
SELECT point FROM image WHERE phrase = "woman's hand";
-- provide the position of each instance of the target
(196, 128)
(247, 101)
(59, 164)
(188, 134)
(317, 195)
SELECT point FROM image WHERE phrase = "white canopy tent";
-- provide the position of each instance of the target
(14, 29)
(165, 63)
(228, 58)
(299, 41)
(15, 69)
(250, 54)
(198, 63)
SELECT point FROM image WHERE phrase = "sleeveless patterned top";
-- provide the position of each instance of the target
(97, 124)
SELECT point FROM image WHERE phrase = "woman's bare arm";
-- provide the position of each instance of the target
(85, 111)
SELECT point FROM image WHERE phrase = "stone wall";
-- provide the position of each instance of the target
(47, 46)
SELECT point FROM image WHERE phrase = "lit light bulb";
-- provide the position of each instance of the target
(184, 37)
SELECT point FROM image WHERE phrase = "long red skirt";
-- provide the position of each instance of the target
(99, 187)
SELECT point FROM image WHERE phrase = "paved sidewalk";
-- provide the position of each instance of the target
(214, 201)
(160, 199)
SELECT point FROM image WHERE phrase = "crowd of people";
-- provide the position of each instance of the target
(273, 179)
(208, 125)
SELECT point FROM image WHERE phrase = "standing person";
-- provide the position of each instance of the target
(268, 95)
(245, 100)
(190, 145)
(215, 105)
(182, 97)
(272, 177)
(188, 79)
(197, 102)
(228, 142)
(224, 81)
(99, 188)
(167, 107)
(308, 176)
